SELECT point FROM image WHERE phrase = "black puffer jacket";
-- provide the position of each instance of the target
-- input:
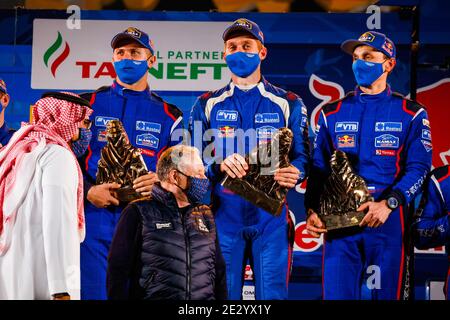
(162, 252)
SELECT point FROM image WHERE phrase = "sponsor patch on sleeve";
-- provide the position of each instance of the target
(426, 134)
(426, 123)
(427, 145)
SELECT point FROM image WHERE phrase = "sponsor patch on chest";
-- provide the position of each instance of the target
(148, 126)
(227, 115)
(267, 118)
(226, 132)
(386, 153)
(350, 126)
(265, 132)
(387, 141)
(346, 141)
(163, 225)
(101, 135)
(388, 127)
(147, 140)
(102, 121)
(201, 226)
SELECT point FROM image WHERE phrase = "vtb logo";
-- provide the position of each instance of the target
(57, 60)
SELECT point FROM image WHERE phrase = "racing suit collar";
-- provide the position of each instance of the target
(365, 97)
(241, 89)
(122, 91)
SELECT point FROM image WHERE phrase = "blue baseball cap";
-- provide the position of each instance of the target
(134, 34)
(376, 40)
(3, 86)
(243, 25)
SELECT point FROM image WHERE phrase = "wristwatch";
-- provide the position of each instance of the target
(392, 203)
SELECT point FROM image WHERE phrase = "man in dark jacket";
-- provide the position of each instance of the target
(166, 247)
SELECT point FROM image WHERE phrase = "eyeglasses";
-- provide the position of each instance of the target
(87, 124)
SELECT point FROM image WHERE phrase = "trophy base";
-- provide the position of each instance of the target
(256, 197)
(128, 194)
(350, 219)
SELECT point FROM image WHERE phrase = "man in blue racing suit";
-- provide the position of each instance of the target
(432, 226)
(387, 139)
(5, 132)
(151, 125)
(249, 109)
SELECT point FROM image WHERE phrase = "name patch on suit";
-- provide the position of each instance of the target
(147, 140)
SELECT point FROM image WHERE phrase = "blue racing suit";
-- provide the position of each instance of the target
(432, 226)
(387, 139)
(245, 231)
(151, 125)
(5, 134)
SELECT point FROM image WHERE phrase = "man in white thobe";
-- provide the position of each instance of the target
(41, 203)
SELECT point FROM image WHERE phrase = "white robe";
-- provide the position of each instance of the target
(44, 256)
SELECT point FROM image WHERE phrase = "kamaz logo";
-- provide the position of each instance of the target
(265, 132)
(101, 121)
(346, 127)
(387, 141)
(147, 140)
(223, 115)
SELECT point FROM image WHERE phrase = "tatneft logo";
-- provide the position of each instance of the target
(58, 60)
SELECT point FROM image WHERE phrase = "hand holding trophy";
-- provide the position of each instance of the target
(258, 186)
(343, 194)
(120, 162)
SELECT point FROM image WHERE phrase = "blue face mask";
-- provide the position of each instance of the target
(130, 71)
(197, 188)
(243, 64)
(80, 146)
(367, 72)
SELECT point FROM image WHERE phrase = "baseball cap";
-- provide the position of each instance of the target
(134, 34)
(3, 86)
(246, 26)
(376, 40)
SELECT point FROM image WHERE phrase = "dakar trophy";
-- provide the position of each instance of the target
(120, 162)
(258, 185)
(344, 192)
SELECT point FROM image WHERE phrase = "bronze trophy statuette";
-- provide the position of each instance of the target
(120, 162)
(344, 192)
(258, 185)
